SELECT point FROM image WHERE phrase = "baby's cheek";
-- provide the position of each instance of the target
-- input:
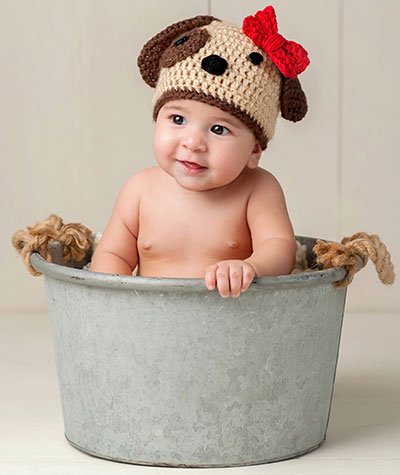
(229, 172)
(162, 144)
(159, 149)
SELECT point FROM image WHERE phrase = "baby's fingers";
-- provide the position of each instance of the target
(248, 276)
(235, 277)
(210, 276)
(223, 280)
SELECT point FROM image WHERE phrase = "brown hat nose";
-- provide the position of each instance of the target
(214, 64)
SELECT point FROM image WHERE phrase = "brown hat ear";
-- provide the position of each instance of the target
(293, 100)
(149, 58)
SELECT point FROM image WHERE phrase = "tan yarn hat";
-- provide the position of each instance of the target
(251, 74)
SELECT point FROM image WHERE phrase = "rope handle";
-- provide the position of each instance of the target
(346, 253)
(75, 239)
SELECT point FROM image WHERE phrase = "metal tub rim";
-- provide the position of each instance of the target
(168, 284)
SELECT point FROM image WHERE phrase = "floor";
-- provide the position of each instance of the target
(363, 435)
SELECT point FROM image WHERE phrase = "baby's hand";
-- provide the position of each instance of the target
(233, 275)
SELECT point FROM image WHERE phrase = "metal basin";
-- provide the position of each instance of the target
(161, 371)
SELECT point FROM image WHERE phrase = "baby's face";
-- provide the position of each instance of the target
(201, 146)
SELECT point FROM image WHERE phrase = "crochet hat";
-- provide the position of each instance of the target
(249, 73)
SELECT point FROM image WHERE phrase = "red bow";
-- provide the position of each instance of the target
(289, 57)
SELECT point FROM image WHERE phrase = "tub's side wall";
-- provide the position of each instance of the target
(190, 378)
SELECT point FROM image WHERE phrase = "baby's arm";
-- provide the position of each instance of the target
(116, 252)
(274, 244)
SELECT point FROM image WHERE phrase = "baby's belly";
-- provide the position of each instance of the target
(173, 268)
(159, 261)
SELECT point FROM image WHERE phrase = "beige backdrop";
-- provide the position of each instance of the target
(75, 120)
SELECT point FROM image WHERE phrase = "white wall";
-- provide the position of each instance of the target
(75, 120)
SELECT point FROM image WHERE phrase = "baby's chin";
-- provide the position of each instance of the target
(204, 187)
(195, 187)
(202, 182)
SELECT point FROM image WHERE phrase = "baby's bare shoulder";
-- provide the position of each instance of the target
(264, 183)
(126, 208)
(142, 177)
(139, 182)
(132, 191)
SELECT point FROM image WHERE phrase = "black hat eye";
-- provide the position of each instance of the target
(180, 41)
(256, 58)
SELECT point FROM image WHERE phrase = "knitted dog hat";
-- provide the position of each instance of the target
(249, 73)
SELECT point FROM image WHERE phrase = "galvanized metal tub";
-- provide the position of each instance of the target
(161, 371)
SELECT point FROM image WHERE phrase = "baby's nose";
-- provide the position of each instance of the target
(214, 64)
(194, 141)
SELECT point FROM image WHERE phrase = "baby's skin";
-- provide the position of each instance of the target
(206, 211)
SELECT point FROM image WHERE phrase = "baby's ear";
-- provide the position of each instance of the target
(255, 156)
(149, 58)
(293, 100)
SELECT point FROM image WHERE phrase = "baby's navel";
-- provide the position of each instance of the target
(233, 244)
(146, 245)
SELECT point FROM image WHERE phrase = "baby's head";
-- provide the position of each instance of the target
(249, 74)
(201, 146)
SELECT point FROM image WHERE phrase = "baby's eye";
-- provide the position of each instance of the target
(219, 130)
(178, 119)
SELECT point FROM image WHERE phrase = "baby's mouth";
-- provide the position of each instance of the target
(192, 166)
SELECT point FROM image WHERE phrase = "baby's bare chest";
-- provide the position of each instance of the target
(175, 229)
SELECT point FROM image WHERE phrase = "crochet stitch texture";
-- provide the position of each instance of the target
(249, 89)
(215, 62)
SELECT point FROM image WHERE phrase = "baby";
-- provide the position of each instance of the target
(208, 210)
